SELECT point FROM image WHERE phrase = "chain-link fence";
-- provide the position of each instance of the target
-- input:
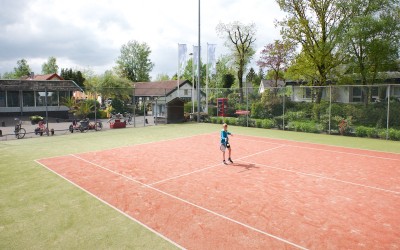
(354, 110)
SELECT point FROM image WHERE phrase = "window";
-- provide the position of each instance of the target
(13, 99)
(28, 98)
(40, 99)
(396, 91)
(307, 93)
(52, 98)
(186, 92)
(2, 98)
(356, 94)
(64, 95)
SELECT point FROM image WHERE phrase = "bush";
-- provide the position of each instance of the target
(362, 131)
(230, 120)
(305, 126)
(267, 123)
(296, 116)
(394, 134)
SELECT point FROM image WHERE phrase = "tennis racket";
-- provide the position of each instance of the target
(223, 146)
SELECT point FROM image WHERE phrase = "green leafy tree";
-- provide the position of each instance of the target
(134, 62)
(50, 67)
(189, 73)
(9, 75)
(373, 27)
(239, 38)
(162, 77)
(112, 86)
(22, 69)
(76, 76)
(318, 27)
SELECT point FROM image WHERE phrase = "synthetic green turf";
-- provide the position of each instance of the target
(40, 210)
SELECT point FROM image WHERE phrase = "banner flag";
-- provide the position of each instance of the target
(195, 58)
(212, 63)
(182, 52)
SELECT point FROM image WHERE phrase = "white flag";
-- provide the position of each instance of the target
(182, 51)
(212, 63)
(195, 58)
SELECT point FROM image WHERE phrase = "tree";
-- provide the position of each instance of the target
(276, 57)
(162, 77)
(134, 63)
(368, 41)
(317, 26)
(50, 67)
(240, 40)
(112, 86)
(76, 76)
(22, 69)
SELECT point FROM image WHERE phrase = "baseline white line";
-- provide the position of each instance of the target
(206, 168)
(115, 208)
(324, 177)
(313, 143)
(131, 145)
(194, 205)
(332, 151)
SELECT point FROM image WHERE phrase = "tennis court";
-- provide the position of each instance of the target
(278, 194)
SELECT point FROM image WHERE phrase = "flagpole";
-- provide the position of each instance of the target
(193, 94)
(198, 72)
(179, 50)
(207, 81)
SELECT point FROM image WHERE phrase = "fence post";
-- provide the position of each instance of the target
(330, 107)
(388, 113)
(283, 111)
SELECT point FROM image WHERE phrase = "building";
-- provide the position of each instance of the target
(301, 92)
(158, 95)
(36, 95)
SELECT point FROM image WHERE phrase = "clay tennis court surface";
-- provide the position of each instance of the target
(277, 195)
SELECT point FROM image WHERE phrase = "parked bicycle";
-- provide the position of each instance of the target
(128, 118)
(19, 131)
(85, 125)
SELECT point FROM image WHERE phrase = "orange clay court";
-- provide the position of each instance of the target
(278, 194)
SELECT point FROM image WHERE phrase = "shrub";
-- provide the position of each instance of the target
(295, 116)
(267, 123)
(231, 120)
(258, 123)
(394, 134)
(305, 126)
(362, 131)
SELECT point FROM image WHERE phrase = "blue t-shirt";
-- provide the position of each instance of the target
(224, 136)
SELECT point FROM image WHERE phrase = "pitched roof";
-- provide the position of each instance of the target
(47, 77)
(271, 83)
(160, 88)
(38, 85)
(53, 76)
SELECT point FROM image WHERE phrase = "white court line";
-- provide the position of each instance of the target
(332, 151)
(206, 168)
(324, 177)
(192, 204)
(127, 146)
(115, 208)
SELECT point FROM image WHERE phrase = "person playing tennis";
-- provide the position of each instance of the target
(225, 142)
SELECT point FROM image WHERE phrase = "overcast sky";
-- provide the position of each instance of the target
(84, 34)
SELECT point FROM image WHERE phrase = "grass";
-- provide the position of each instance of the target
(40, 210)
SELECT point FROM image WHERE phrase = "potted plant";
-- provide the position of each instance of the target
(35, 119)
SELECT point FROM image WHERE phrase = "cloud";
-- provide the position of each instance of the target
(82, 34)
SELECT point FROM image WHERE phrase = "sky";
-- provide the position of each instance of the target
(88, 34)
